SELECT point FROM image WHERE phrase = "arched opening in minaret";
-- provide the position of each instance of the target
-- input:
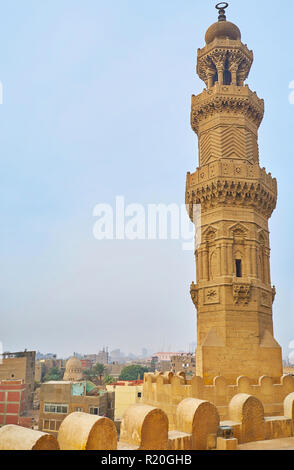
(215, 78)
(227, 77)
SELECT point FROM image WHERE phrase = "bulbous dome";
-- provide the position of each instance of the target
(73, 362)
(222, 30)
(73, 370)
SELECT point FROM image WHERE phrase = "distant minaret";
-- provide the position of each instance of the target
(233, 294)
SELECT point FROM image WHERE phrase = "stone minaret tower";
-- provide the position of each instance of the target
(233, 294)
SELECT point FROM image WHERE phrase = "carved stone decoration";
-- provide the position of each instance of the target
(194, 294)
(206, 69)
(235, 57)
(241, 293)
(234, 192)
(234, 143)
(222, 55)
(244, 70)
(225, 101)
(266, 299)
(218, 57)
(209, 234)
(239, 230)
(211, 295)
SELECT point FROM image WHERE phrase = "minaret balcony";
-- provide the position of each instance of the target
(232, 182)
(226, 100)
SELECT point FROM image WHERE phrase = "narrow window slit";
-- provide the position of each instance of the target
(238, 268)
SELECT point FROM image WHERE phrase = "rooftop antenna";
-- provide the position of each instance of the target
(221, 7)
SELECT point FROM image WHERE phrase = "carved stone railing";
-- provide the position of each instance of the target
(226, 99)
(249, 186)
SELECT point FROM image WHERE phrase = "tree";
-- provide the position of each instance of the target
(99, 370)
(53, 374)
(133, 372)
(109, 379)
(89, 374)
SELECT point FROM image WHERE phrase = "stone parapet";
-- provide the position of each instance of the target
(233, 182)
(196, 424)
(168, 390)
(226, 100)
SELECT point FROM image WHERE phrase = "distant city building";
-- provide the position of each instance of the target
(127, 393)
(114, 369)
(40, 356)
(183, 363)
(103, 356)
(117, 356)
(43, 367)
(12, 401)
(86, 364)
(39, 371)
(164, 356)
(163, 366)
(173, 361)
(161, 361)
(144, 353)
(20, 366)
(60, 398)
(93, 358)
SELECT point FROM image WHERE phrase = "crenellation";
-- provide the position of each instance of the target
(220, 392)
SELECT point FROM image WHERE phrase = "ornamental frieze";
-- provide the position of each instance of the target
(232, 192)
(241, 293)
(230, 168)
(225, 103)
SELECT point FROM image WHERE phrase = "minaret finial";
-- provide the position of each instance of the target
(222, 10)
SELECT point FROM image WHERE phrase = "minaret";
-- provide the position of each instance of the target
(233, 293)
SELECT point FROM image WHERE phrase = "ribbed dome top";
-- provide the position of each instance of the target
(222, 30)
(73, 363)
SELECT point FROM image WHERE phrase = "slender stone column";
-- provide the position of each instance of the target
(210, 76)
(197, 265)
(230, 260)
(200, 265)
(248, 265)
(220, 73)
(234, 77)
(224, 260)
(266, 266)
(205, 264)
(219, 268)
(233, 69)
(269, 269)
(254, 261)
(260, 255)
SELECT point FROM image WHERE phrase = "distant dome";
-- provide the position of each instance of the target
(73, 362)
(73, 370)
(222, 30)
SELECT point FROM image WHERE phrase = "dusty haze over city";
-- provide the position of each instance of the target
(97, 100)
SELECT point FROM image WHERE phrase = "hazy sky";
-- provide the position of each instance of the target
(97, 104)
